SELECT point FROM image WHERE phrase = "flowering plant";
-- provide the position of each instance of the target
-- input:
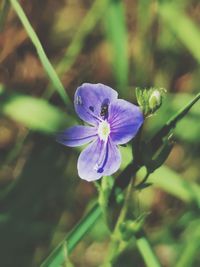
(112, 122)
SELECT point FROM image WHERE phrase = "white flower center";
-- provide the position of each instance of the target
(104, 130)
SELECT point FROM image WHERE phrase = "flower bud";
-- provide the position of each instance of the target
(149, 99)
(155, 100)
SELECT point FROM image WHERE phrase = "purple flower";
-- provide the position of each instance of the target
(112, 122)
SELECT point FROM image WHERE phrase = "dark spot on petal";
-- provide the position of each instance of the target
(100, 170)
(91, 108)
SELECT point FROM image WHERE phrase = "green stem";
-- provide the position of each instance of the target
(147, 253)
(41, 53)
(156, 141)
(104, 190)
(79, 231)
(117, 244)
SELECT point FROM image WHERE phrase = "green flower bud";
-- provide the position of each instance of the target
(155, 100)
(149, 99)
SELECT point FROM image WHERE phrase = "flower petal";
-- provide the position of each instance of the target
(77, 135)
(98, 159)
(125, 120)
(89, 98)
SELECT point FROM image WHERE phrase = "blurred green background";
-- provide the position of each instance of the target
(124, 44)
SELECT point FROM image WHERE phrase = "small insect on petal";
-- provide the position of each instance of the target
(112, 121)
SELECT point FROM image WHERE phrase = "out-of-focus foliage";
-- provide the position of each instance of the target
(171, 105)
(35, 113)
(124, 44)
(117, 35)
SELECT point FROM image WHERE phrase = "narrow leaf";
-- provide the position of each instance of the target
(36, 114)
(57, 256)
(41, 53)
(117, 35)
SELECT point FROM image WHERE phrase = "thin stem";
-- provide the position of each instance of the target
(74, 237)
(147, 253)
(156, 141)
(41, 53)
(117, 244)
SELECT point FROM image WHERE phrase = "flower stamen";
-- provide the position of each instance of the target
(104, 130)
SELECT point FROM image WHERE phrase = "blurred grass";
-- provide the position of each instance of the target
(116, 33)
(183, 27)
(87, 25)
(41, 53)
(190, 194)
(36, 114)
(4, 8)
(191, 245)
(141, 43)
(171, 105)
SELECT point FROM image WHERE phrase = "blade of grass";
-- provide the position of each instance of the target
(41, 53)
(172, 183)
(89, 22)
(190, 251)
(147, 252)
(57, 256)
(156, 141)
(117, 35)
(36, 114)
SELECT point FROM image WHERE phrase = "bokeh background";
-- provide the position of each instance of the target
(124, 44)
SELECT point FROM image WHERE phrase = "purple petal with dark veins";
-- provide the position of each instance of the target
(89, 98)
(77, 135)
(98, 159)
(125, 120)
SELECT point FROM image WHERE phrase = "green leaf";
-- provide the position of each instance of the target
(154, 145)
(36, 114)
(191, 245)
(174, 184)
(188, 128)
(117, 35)
(187, 193)
(158, 138)
(57, 256)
